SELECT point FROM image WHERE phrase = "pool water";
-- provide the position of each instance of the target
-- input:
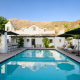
(40, 65)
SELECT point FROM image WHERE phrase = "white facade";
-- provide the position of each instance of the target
(75, 42)
(3, 43)
(9, 26)
(59, 41)
(37, 30)
(34, 30)
(38, 41)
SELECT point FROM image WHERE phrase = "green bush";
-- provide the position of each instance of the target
(20, 42)
(69, 38)
(46, 42)
(70, 44)
(65, 25)
(52, 46)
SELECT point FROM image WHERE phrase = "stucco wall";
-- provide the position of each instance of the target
(13, 40)
(3, 46)
(58, 43)
(9, 38)
(75, 42)
(36, 31)
(38, 41)
(27, 44)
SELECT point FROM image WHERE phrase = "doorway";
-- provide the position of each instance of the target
(33, 42)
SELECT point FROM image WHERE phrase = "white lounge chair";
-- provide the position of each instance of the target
(73, 50)
(67, 47)
(61, 47)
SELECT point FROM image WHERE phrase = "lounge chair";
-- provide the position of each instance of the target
(73, 50)
(67, 47)
(61, 47)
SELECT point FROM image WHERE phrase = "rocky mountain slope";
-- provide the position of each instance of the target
(57, 25)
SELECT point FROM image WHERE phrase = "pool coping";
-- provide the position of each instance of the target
(62, 52)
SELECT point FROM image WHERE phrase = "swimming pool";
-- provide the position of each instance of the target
(40, 65)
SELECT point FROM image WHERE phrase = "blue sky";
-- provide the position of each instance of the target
(41, 10)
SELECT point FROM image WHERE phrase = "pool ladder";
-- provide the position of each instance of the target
(40, 46)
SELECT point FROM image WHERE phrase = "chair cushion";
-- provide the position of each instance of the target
(72, 47)
(68, 45)
(64, 45)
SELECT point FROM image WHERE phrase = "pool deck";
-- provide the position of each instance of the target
(70, 55)
(5, 56)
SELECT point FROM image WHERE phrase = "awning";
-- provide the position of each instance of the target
(2, 31)
(11, 33)
(64, 35)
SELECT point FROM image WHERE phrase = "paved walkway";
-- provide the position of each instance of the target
(71, 55)
(4, 56)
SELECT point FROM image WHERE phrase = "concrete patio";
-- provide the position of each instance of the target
(4, 56)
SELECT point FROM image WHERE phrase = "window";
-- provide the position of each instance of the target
(27, 40)
(59, 40)
(8, 28)
(44, 30)
(34, 28)
(51, 40)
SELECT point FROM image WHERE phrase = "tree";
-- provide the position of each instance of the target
(3, 21)
(69, 38)
(65, 25)
(46, 42)
(20, 42)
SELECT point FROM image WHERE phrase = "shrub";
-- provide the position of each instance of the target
(70, 44)
(46, 42)
(52, 46)
(69, 38)
(20, 42)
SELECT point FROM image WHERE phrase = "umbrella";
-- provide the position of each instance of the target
(73, 77)
(75, 32)
(64, 35)
(65, 66)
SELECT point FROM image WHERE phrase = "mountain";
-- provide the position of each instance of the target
(57, 25)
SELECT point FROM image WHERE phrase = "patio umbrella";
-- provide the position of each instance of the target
(65, 66)
(75, 32)
(64, 35)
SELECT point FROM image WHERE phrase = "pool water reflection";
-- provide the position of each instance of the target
(40, 65)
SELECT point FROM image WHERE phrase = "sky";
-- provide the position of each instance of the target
(41, 10)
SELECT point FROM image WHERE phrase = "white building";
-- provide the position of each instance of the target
(34, 36)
